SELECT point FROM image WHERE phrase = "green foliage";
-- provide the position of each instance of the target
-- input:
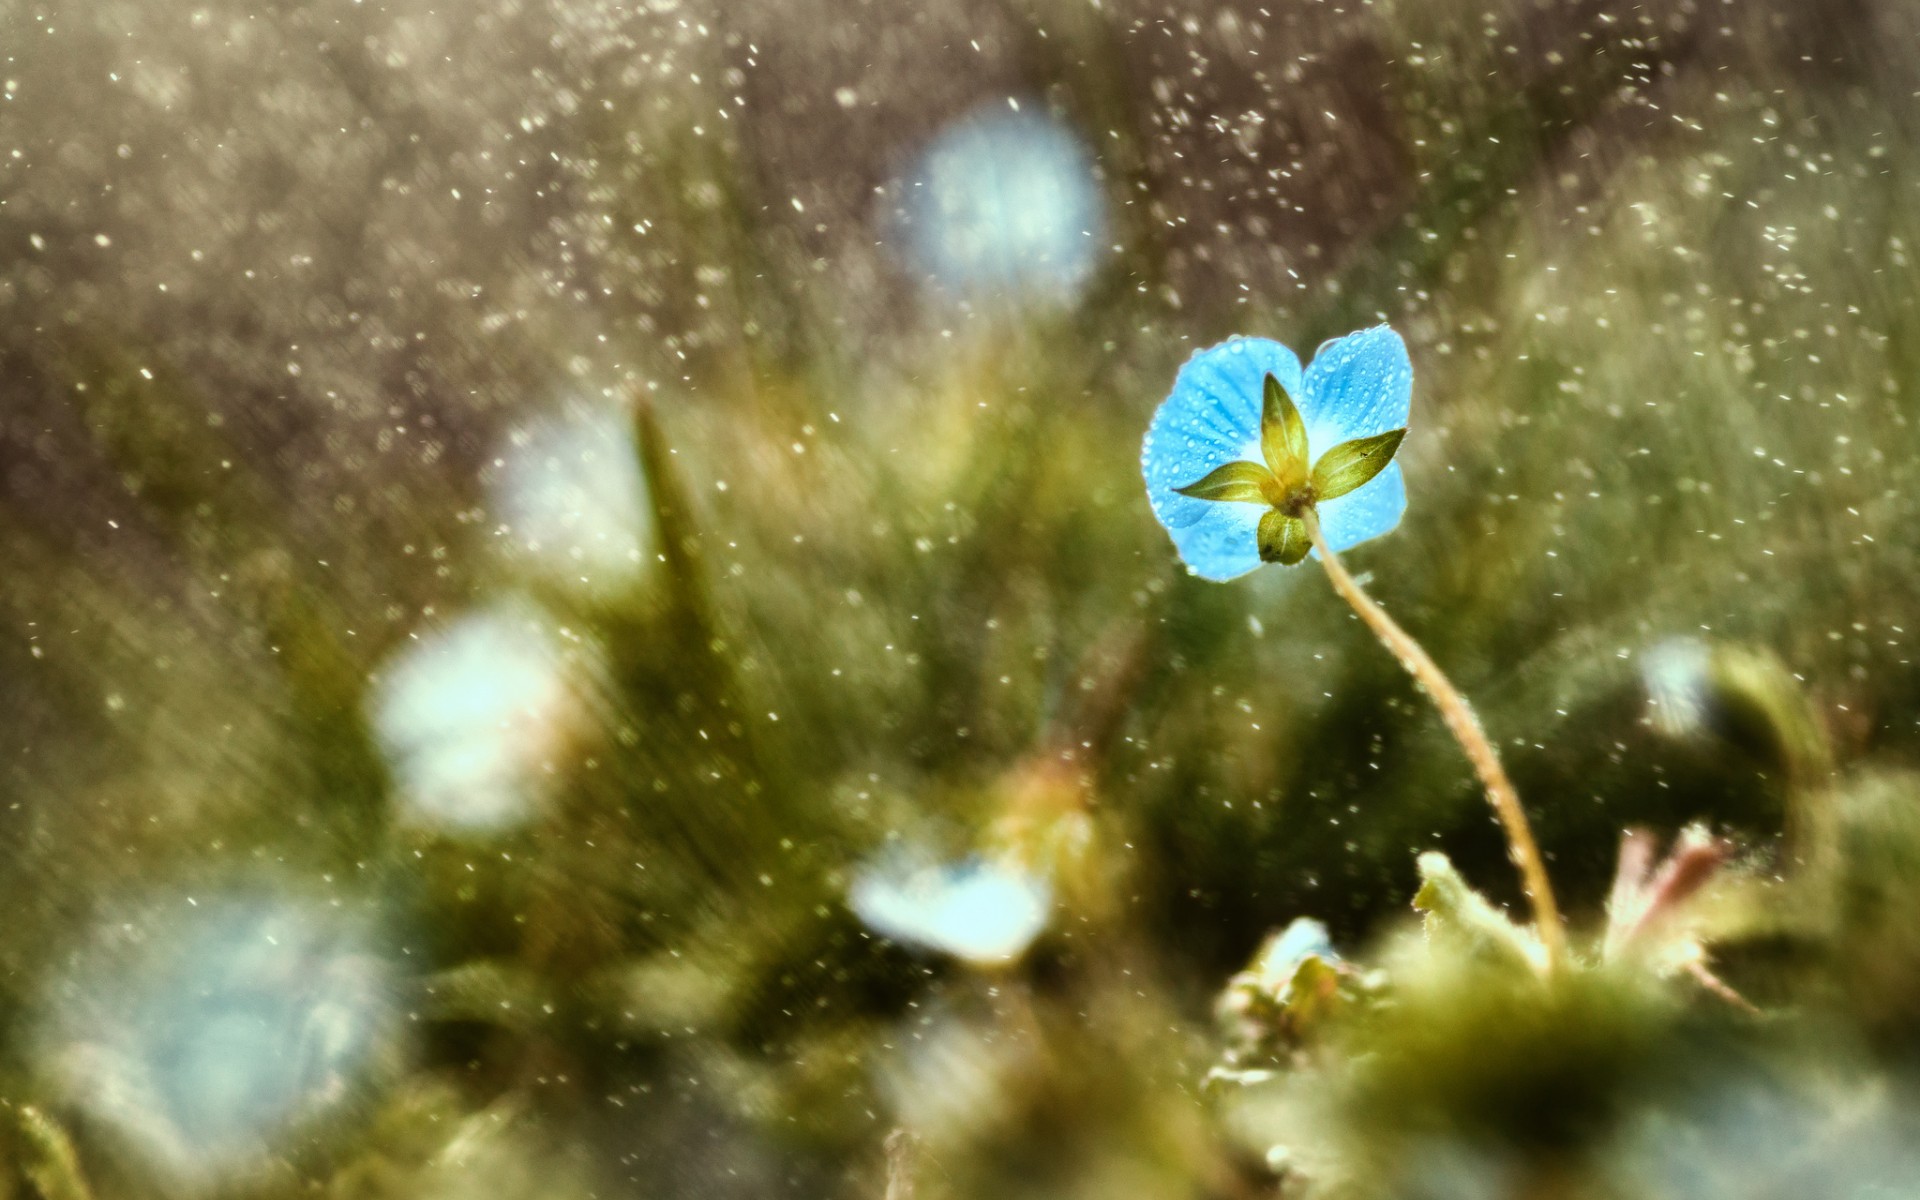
(47, 1157)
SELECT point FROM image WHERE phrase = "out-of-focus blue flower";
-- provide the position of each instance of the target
(573, 500)
(206, 1037)
(1006, 202)
(1848, 1137)
(979, 910)
(469, 717)
(1357, 387)
(1283, 952)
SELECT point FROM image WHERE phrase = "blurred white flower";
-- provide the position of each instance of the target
(1677, 675)
(470, 717)
(952, 1075)
(573, 499)
(204, 1042)
(982, 911)
(1006, 203)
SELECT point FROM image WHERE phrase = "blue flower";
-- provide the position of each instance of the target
(211, 1037)
(1226, 457)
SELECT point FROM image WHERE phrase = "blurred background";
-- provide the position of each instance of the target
(580, 618)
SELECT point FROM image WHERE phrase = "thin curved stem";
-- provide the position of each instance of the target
(1466, 730)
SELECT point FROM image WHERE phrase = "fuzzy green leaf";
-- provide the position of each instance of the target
(1237, 481)
(1283, 435)
(1461, 921)
(1351, 464)
(1283, 539)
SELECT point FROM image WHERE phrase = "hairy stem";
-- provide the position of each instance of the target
(1465, 727)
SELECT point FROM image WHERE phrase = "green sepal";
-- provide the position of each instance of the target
(1283, 436)
(1283, 539)
(1237, 481)
(1350, 464)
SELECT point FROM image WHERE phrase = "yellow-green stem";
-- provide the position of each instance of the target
(1466, 730)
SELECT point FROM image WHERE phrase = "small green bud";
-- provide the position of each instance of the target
(1283, 539)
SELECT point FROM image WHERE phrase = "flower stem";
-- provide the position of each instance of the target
(1466, 730)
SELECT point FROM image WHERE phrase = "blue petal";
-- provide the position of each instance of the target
(1366, 512)
(1224, 543)
(1212, 418)
(1356, 386)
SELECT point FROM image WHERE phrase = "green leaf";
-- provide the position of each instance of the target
(1350, 464)
(1283, 436)
(1237, 481)
(1283, 539)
